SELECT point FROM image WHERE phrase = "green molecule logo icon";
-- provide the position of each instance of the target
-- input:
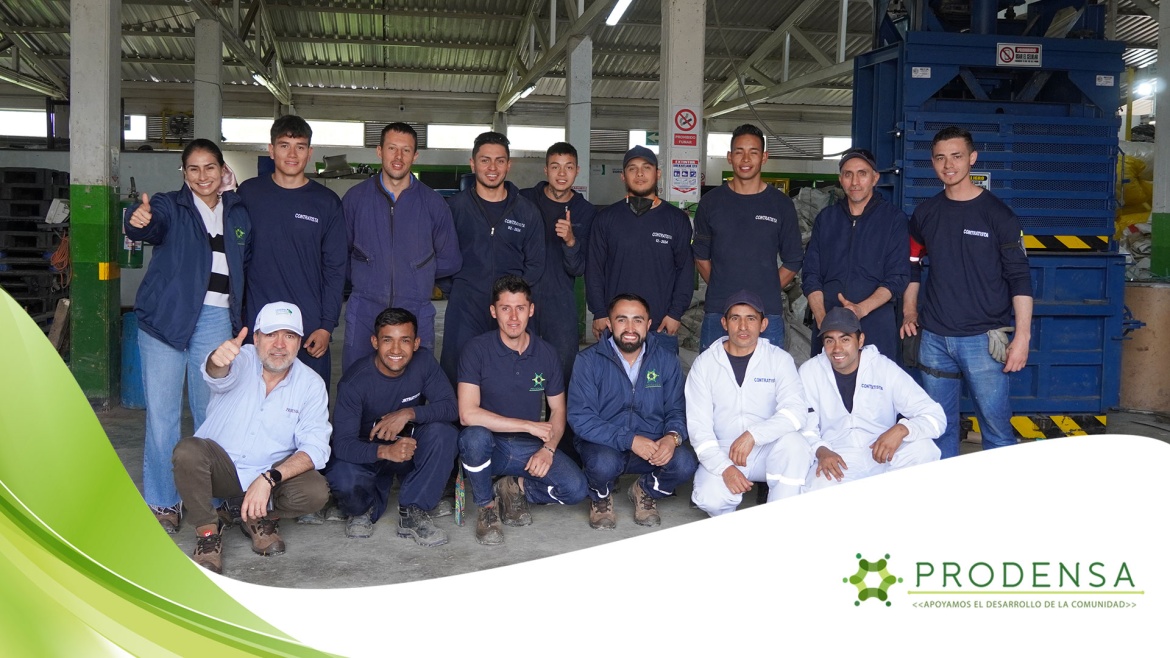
(864, 569)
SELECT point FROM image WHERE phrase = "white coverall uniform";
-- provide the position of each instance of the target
(770, 405)
(883, 391)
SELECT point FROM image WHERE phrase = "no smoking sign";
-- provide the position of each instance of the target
(686, 127)
(685, 120)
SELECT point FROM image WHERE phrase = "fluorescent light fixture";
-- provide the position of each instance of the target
(260, 80)
(1145, 88)
(528, 91)
(618, 11)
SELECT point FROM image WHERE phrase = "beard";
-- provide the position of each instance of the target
(630, 347)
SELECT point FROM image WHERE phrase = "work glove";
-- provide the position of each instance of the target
(997, 343)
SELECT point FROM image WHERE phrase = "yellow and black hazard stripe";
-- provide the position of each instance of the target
(1066, 242)
(1049, 427)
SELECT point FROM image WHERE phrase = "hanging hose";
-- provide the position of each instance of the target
(61, 263)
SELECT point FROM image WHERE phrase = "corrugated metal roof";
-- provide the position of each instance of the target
(465, 46)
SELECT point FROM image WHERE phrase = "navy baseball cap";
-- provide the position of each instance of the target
(840, 319)
(857, 153)
(640, 152)
(744, 297)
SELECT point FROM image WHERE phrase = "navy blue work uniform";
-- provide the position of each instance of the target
(514, 384)
(358, 479)
(494, 239)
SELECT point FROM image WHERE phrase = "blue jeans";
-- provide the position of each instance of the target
(485, 454)
(713, 330)
(603, 466)
(359, 487)
(988, 383)
(163, 370)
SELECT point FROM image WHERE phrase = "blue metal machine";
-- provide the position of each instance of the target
(1039, 94)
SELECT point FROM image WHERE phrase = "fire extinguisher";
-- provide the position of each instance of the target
(130, 256)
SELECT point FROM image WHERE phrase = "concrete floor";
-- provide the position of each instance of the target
(321, 556)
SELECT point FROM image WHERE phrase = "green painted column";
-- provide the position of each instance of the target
(95, 224)
(96, 320)
(1160, 241)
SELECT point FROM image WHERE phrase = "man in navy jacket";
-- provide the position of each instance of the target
(401, 237)
(626, 407)
(499, 232)
(859, 256)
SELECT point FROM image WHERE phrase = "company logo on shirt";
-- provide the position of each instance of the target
(765, 218)
(765, 380)
(411, 398)
(978, 234)
(307, 218)
(240, 236)
(662, 238)
(292, 411)
(537, 382)
(652, 380)
(514, 225)
(873, 386)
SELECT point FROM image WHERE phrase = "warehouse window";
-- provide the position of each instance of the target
(835, 145)
(137, 130)
(534, 138)
(718, 144)
(453, 136)
(325, 133)
(22, 123)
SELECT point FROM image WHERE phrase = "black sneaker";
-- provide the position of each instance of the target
(416, 524)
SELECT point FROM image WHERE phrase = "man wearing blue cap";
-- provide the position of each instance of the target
(859, 256)
(867, 414)
(641, 246)
(746, 413)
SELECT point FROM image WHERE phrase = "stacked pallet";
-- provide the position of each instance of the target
(34, 254)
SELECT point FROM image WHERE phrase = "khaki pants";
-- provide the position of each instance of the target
(204, 471)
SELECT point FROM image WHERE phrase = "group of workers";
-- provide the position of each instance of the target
(245, 289)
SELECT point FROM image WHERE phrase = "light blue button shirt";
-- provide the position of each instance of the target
(256, 429)
(631, 369)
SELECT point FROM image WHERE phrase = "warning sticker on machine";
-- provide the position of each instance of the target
(1018, 54)
(1104, 81)
(920, 72)
(981, 179)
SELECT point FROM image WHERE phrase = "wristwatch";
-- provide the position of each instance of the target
(275, 475)
(677, 438)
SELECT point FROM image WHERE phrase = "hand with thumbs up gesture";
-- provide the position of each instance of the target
(219, 362)
(141, 217)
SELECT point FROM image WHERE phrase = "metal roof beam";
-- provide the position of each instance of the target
(793, 84)
(29, 82)
(1147, 7)
(810, 47)
(583, 24)
(28, 52)
(763, 50)
(273, 78)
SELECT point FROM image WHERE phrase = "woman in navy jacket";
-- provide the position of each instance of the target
(189, 302)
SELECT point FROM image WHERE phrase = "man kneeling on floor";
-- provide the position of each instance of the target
(855, 395)
(268, 426)
(626, 407)
(746, 413)
(394, 416)
(504, 378)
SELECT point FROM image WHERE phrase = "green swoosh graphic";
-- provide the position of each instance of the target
(86, 570)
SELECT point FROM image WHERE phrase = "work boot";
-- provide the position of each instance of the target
(229, 511)
(601, 514)
(487, 527)
(208, 551)
(444, 508)
(360, 526)
(513, 504)
(265, 536)
(169, 517)
(334, 513)
(316, 518)
(415, 523)
(645, 509)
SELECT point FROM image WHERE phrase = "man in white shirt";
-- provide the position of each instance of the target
(855, 396)
(746, 413)
(264, 440)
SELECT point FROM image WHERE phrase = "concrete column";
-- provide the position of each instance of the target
(579, 104)
(680, 118)
(208, 80)
(1160, 219)
(95, 130)
(500, 122)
